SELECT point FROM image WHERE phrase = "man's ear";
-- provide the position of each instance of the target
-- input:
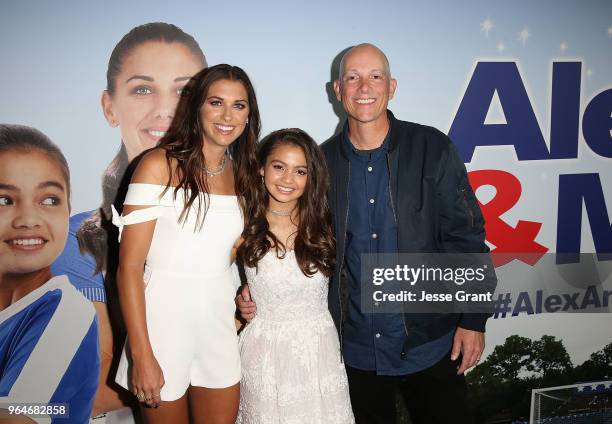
(392, 87)
(337, 90)
(107, 109)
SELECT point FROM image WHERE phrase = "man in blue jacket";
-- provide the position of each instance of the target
(397, 187)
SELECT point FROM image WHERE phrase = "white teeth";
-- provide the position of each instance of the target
(365, 101)
(27, 242)
(155, 133)
(225, 127)
(284, 189)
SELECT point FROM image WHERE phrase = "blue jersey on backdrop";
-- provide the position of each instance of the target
(80, 267)
(49, 351)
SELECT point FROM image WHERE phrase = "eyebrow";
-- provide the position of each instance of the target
(356, 70)
(45, 184)
(142, 77)
(296, 166)
(221, 98)
(8, 187)
(48, 184)
(151, 79)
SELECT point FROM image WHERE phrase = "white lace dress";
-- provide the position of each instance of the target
(291, 368)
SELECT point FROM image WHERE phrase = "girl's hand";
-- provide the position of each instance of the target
(147, 380)
(245, 305)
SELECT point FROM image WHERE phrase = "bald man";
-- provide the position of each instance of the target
(407, 192)
(396, 186)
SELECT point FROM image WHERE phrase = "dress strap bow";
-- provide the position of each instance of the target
(135, 217)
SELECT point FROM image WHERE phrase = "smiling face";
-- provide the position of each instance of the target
(224, 113)
(34, 211)
(285, 176)
(147, 91)
(365, 86)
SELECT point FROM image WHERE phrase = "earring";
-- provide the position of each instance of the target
(247, 121)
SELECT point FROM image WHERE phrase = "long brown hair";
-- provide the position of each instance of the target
(184, 140)
(315, 247)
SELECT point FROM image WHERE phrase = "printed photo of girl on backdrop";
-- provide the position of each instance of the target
(49, 359)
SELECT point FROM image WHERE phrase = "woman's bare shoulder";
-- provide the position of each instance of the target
(152, 168)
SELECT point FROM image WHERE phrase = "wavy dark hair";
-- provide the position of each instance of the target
(94, 231)
(185, 138)
(315, 246)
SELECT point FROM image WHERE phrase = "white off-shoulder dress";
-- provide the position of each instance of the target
(189, 286)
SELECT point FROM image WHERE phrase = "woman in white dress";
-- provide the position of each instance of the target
(181, 216)
(291, 364)
(146, 73)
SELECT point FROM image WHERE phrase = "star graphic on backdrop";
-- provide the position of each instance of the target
(486, 26)
(610, 31)
(524, 35)
(501, 47)
(580, 388)
(608, 386)
(563, 46)
(589, 72)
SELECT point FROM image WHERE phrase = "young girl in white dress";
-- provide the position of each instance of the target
(291, 363)
(182, 215)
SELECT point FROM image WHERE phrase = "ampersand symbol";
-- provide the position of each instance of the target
(510, 242)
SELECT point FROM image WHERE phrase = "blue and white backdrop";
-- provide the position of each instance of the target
(524, 89)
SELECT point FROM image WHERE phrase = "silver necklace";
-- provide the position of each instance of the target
(218, 170)
(279, 213)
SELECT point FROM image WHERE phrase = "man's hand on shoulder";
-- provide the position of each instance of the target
(470, 344)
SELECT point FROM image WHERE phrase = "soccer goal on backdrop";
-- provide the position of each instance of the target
(581, 403)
